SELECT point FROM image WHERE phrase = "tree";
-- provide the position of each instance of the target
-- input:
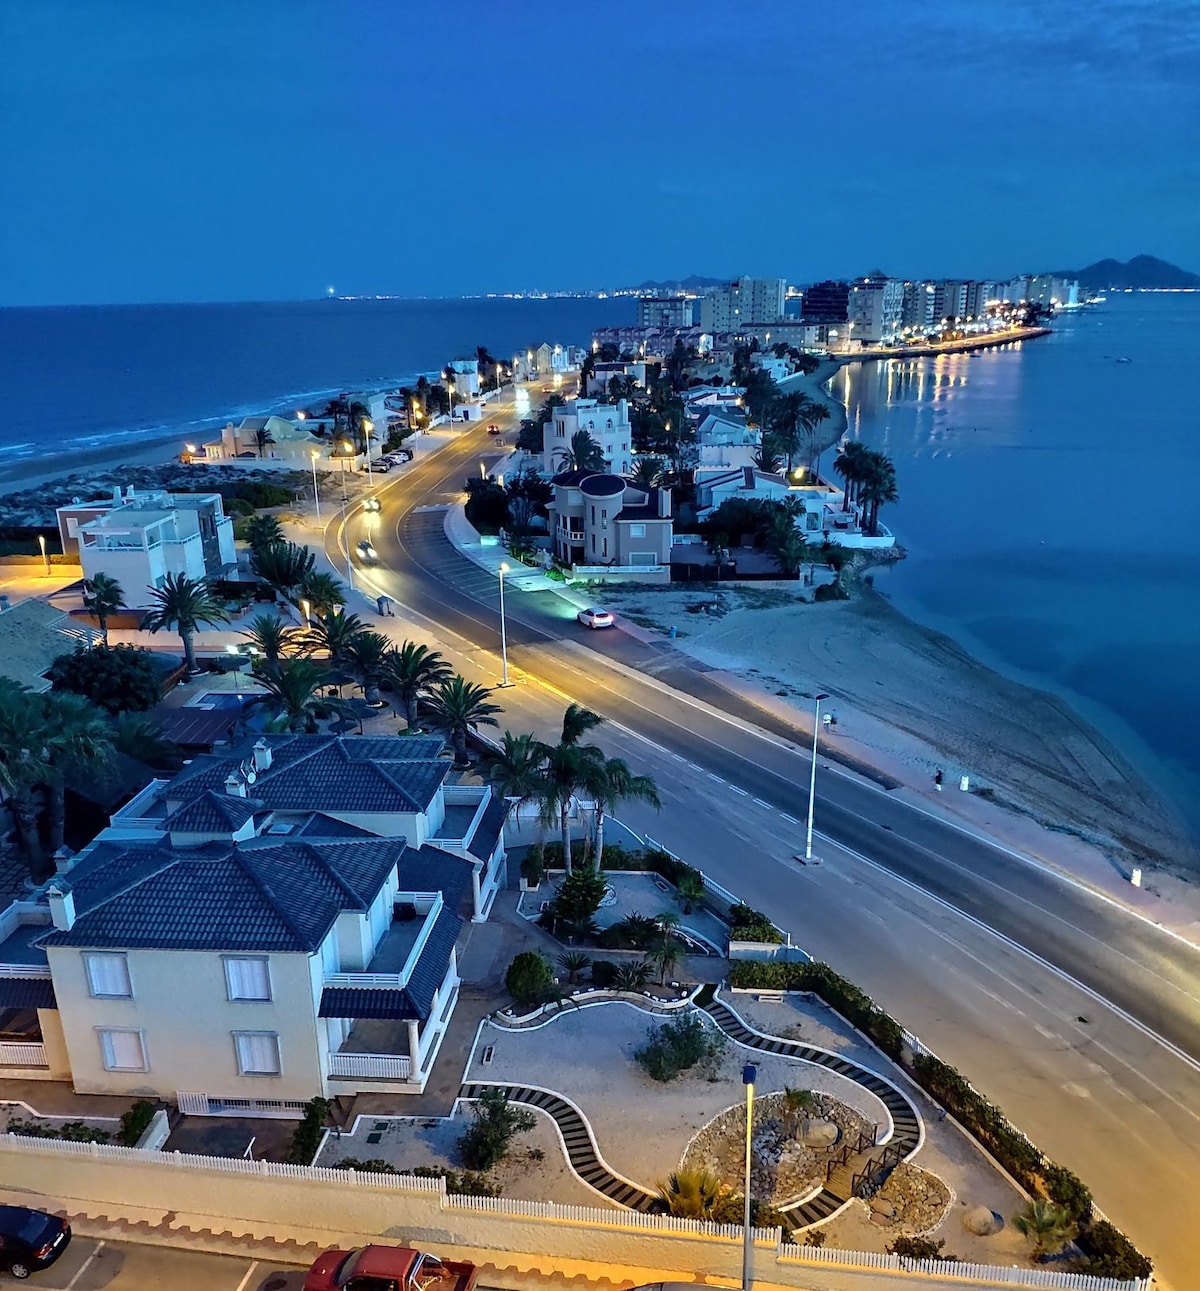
(23, 767)
(573, 962)
(797, 1104)
(73, 736)
(293, 697)
(611, 783)
(117, 679)
(666, 949)
(576, 901)
(569, 768)
(583, 455)
(496, 1123)
(323, 592)
(184, 603)
(456, 705)
(1046, 1225)
(529, 977)
(785, 543)
(877, 487)
(283, 566)
(632, 976)
(269, 636)
(767, 456)
(102, 597)
(413, 671)
(366, 653)
(263, 531)
(577, 721)
(262, 437)
(515, 769)
(647, 472)
(718, 549)
(691, 1194)
(690, 889)
(333, 634)
(811, 417)
(141, 738)
(851, 465)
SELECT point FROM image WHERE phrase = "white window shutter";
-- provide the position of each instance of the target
(257, 1053)
(123, 1050)
(247, 978)
(108, 974)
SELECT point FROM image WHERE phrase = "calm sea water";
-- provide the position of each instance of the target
(78, 378)
(1048, 505)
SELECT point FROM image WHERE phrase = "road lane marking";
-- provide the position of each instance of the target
(791, 820)
(763, 803)
(241, 1286)
(741, 791)
(713, 776)
(79, 1272)
(679, 757)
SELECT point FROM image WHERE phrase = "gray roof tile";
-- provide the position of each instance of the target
(213, 813)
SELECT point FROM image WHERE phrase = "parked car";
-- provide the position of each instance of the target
(388, 1268)
(367, 550)
(594, 618)
(30, 1239)
(382, 466)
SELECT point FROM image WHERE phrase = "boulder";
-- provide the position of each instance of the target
(819, 1134)
(982, 1221)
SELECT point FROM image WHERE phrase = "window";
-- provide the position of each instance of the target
(593, 515)
(637, 530)
(108, 976)
(605, 551)
(247, 977)
(122, 1050)
(257, 1053)
(593, 544)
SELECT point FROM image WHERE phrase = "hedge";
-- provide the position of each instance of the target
(135, 1122)
(1107, 1252)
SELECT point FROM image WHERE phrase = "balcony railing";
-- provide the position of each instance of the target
(27, 1054)
(370, 1066)
(41, 971)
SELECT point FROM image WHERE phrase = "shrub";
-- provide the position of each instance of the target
(1108, 1253)
(307, 1137)
(496, 1121)
(632, 976)
(831, 592)
(677, 1046)
(72, 1131)
(634, 932)
(748, 924)
(529, 977)
(1067, 1190)
(919, 1248)
(465, 1183)
(135, 1122)
(604, 973)
(815, 1237)
(119, 679)
(533, 866)
(578, 898)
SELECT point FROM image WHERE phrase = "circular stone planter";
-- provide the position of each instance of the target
(784, 1168)
(912, 1199)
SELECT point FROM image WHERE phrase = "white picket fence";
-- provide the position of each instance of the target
(952, 1270)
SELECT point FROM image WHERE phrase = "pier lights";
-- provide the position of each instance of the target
(812, 774)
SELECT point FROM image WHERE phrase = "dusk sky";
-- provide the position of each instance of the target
(267, 149)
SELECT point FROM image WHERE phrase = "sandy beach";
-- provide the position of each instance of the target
(31, 473)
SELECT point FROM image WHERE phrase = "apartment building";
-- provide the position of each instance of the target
(607, 424)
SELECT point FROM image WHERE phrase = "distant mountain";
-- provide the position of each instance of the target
(694, 282)
(1141, 271)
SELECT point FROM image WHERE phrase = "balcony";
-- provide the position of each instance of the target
(24, 1054)
(399, 949)
(370, 1066)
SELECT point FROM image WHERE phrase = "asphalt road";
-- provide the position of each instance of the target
(905, 904)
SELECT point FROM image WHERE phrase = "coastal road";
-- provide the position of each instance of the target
(905, 910)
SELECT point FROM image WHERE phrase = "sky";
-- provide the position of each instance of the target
(163, 150)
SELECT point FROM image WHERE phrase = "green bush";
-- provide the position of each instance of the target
(71, 1131)
(462, 1183)
(119, 679)
(677, 1046)
(831, 592)
(748, 924)
(486, 1141)
(307, 1137)
(604, 973)
(135, 1122)
(919, 1248)
(529, 977)
(1066, 1189)
(1108, 1253)
(577, 899)
(533, 866)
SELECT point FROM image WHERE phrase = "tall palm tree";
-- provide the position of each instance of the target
(262, 437)
(293, 699)
(785, 543)
(456, 705)
(570, 767)
(283, 566)
(413, 671)
(332, 634)
(270, 636)
(263, 531)
(23, 767)
(878, 486)
(648, 472)
(851, 465)
(666, 948)
(323, 592)
(583, 455)
(103, 596)
(515, 770)
(811, 417)
(75, 734)
(767, 456)
(140, 737)
(366, 653)
(184, 603)
(612, 784)
(577, 721)
(1046, 1225)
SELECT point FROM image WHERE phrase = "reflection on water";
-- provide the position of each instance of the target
(1041, 532)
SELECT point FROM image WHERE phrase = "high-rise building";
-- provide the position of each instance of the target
(739, 304)
(665, 311)
(875, 307)
(827, 302)
(916, 310)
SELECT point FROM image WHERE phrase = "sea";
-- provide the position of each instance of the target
(1048, 506)
(81, 379)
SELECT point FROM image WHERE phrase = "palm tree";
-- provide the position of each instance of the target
(850, 464)
(573, 962)
(263, 531)
(365, 654)
(22, 767)
(583, 455)
(1046, 1225)
(767, 456)
(334, 634)
(570, 767)
(140, 737)
(413, 671)
(323, 592)
(666, 949)
(612, 784)
(577, 721)
(632, 976)
(184, 603)
(718, 549)
(283, 566)
(785, 543)
(269, 636)
(103, 596)
(262, 437)
(811, 417)
(691, 1194)
(797, 1104)
(515, 770)
(75, 734)
(648, 472)
(878, 487)
(293, 697)
(455, 706)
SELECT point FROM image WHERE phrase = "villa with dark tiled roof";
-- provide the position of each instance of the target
(273, 923)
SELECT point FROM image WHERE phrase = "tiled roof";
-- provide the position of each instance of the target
(27, 993)
(412, 1001)
(328, 773)
(212, 813)
(487, 832)
(320, 826)
(263, 895)
(429, 869)
(31, 637)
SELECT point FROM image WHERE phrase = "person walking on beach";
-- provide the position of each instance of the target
(937, 779)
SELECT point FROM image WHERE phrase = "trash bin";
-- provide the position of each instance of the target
(672, 632)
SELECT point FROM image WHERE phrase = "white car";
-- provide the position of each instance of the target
(594, 618)
(372, 504)
(367, 551)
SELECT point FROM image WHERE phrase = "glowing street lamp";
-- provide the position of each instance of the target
(812, 774)
(314, 454)
(45, 557)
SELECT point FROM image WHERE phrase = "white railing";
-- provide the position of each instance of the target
(22, 1054)
(370, 1066)
(40, 971)
(953, 1270)
(367, 981)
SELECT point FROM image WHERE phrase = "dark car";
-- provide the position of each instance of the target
(30, 1239)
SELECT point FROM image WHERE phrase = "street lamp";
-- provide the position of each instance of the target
(504, 567)
(749, 1076)
(45, 558)
(367, 427)
(306, 610)
(314, 454)
(812, 774)
(346, 449)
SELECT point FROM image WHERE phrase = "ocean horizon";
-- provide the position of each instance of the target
(1041, 533)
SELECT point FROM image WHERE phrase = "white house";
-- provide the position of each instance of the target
(608, 425)
(466, 378)
(140, 538)
(228, 945)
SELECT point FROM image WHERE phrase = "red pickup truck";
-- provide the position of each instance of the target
(388, 1268)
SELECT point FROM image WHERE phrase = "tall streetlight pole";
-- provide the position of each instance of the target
(749, 1076)
(504, 567)
(367, 427)
(314, 454)
(346, 448)
(812, 775)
